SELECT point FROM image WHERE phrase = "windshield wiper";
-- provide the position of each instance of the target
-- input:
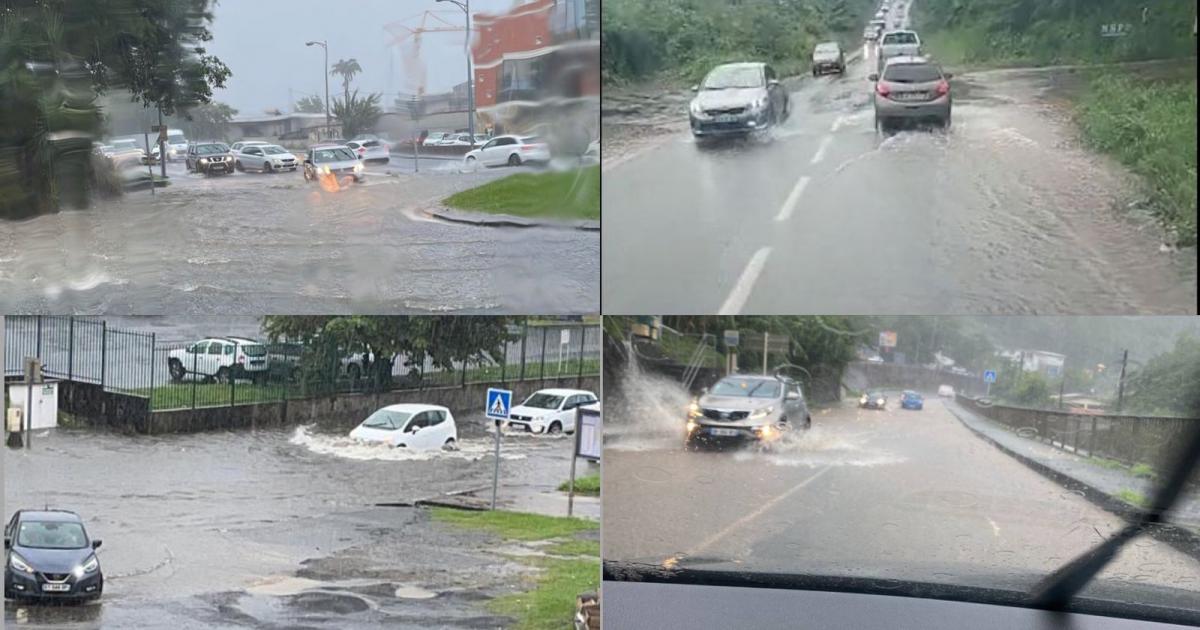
(1058, 588)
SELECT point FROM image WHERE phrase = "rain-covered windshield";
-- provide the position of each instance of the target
(274, 150)
(902, 37)
(253, 350)
(543, 401)
(51, 535)
(1059, 428)
(733, 77)
(209, 149)
(335, 154)
(387, 419)
(750, 388)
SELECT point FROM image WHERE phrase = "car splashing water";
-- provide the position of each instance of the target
(350, 448)
(651, 411)
(819, 447)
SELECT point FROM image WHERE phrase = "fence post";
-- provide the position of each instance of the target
(1092, 439)
(463, 380)
(504, 363)
(194, 379)
(153, 360)
(232, 376)
(542, 369)
(582, 338)
(71, 350)
(524, 338)
(38, 348)
(103, 351)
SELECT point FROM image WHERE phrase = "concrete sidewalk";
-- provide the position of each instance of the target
(1081, 469)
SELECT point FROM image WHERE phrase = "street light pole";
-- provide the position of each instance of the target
(324, 46)
(465, 5)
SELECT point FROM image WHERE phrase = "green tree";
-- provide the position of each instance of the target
(357, 115)
(209, 121)
(1168, 384)
(346, 68)
(310, 105)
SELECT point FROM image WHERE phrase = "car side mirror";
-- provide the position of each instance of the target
(696, 88)
(793, 396)
(96, 544)
(773, 83)
(949, 75)
(872, 77)
(414, 430)
(7, 542)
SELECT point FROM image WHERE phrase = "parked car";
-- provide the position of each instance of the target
(828, 57)
(945, 391)
(238, 146)
(738, 98)
(436, 138)
(209, 158)
(332, 159)
(414, 426)
(911, 400)
(757, 409)
(267, 158)
(875, 358)
(873, 399)
(897, 44)
(911, 89)
(870, 33)
(49, 556)
(218, 359)
(370, 150)
(508, 150)
(550, 410)
(123, 148)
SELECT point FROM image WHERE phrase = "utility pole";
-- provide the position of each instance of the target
(465, 5)
(162, 148)
(1121, 382)
(324, 46)
(766, 335)
(1062, 385)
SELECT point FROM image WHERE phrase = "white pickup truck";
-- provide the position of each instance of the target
(897, 44)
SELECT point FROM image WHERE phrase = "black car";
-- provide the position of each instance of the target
(49, 556)
(738, 99)
(873, 400)
(209, 158)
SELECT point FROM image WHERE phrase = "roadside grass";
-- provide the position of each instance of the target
(682, 347)
(1132, 497)
(515, 525)
(1144, 471)
(567, 195)
(589, 485)
(549, 604)
(1149, 126)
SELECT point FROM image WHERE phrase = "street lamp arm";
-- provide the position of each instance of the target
(460, 5)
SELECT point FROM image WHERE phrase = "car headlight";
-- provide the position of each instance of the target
(358, 168)
(695, 107)
(863, 400)
(694, 410)
(691, 425)
(91, 565)
(325, 169)
(18, 563)
(879, 402)
(762, 413)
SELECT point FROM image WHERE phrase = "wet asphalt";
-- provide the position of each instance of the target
(253, 243)
(277, 529)
(1005, 213)
(877, 494)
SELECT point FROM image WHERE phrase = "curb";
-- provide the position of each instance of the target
(1177, 536)
(507, 220)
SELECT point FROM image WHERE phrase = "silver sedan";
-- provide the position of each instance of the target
(267, 158)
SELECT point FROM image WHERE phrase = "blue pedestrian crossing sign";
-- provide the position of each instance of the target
(499, 402)
(989, 376)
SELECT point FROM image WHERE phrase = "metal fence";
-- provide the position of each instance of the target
(205, 374)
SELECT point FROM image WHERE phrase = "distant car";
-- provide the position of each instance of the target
(370, 150)
(912, 400)
(508, 150)
(461, 140)
(738, 99)
(124, 148)
(828, 57)
(209, 158)
(945, 391)
(880, 14)
(870, 33)
(267, 158)
(436, 139)
(332, 159)
(549, 410)
(49, 556)
(911, 89)
(411, 426)
(218, 359)
(875, 358)
(739, 409)
(874, 399)
(897, 44)
(237, 146)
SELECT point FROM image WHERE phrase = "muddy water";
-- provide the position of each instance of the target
(272, 528)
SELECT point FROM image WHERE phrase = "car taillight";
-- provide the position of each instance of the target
(241, 358)
(943, 87)
(882, 89)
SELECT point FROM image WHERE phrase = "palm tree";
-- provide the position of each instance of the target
(347, 68)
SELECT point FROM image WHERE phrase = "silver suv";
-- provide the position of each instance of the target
(747, 408)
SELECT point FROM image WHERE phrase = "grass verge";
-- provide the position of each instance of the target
(567, 195)
(1132, 497)
(575, 548)
(515, 525)
(589, 485)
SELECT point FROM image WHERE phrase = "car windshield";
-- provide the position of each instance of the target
(176, 138)
(911, 73)
(543, 401)
(254, 350)
(725, 77)
(209, 149)
(902, 37)
(530, 139)
(826, 49)
(52, 535)
(333, 154)
(751, 388)
(274, 150)
(1062, 433)
(124, 144)
(387, 419)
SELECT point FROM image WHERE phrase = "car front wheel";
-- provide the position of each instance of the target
(267, 167)
(514, 160)
(555, 428)
(175, 367)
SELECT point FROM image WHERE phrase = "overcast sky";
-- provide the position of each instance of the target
(262, 42)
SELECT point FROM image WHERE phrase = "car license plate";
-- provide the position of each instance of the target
(723, 432)
(725, 118)
(56, 587)
(910, 96)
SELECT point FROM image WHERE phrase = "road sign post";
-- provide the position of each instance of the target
(731, 344)
(989, 377)
(588, 444)
(499, 403)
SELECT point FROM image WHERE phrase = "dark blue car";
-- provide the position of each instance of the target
(48, 556)
(911, 400)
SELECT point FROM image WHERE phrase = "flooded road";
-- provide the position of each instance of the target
(1005, 213)
(273, 243)
(275, 529)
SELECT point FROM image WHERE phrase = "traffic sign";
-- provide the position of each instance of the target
(499, 402)
(989, 376)
(731, 338)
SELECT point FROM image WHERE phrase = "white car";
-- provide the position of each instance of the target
(461, 140)
(945, 391)
(238, 146)
(510, 150)
(421, 427)
(436, 139)
(218, 359)
(370, 150)
(549, 410)
(264, 157)
(875, 359)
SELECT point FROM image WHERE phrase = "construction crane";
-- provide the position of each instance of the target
(402, 33)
